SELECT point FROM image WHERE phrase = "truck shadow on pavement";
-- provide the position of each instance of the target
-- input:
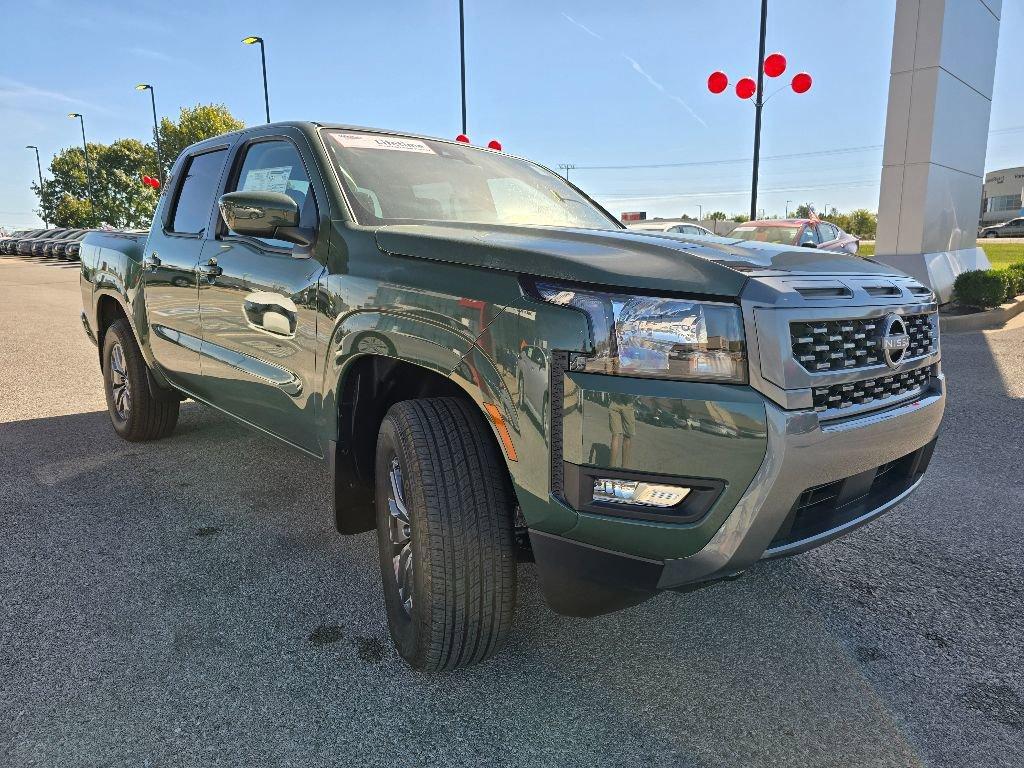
(180, 600)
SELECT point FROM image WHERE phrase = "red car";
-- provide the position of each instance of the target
(809, 233)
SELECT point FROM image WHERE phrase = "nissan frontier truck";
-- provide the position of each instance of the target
(495, 371)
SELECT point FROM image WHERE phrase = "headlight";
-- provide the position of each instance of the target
(660, 337)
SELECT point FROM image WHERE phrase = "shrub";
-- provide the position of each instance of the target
(1015, 273)
(981, 288)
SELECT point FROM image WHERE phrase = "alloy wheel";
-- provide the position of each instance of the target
(400, 534)
(119, 387)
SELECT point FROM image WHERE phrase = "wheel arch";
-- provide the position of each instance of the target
(366, 388)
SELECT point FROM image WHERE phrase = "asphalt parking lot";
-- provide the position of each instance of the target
(187, 602)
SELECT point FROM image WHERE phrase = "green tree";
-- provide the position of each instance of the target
(197, 123)
(863, 223)
(739, 218)
(717, 216)
(803, 211)
(117, 195)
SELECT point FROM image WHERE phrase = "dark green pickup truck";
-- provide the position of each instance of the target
(495, 371)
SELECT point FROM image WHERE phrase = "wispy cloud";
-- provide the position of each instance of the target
(582, 26)
(635, 65)
(15, 93)
(148, 53)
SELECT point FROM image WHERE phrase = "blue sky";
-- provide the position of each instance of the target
(593, 83)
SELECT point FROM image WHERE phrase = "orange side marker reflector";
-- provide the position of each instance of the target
(499, 424)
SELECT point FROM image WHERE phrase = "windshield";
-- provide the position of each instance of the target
(397, 179)
(781, 235)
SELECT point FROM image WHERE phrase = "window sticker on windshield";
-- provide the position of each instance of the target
(371, 141)
(745, 229)
(267, 179)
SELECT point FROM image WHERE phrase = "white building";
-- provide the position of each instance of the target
(1001, 195)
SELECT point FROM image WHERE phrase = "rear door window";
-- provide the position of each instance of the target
(195, 195)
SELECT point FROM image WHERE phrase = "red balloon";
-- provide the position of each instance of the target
(801, 82)
(774, 64)
(463, 138)
(146, 180)
(154, 183)
(494, 144)
(717, 82)
(746, 88)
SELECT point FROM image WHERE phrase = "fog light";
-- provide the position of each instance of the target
(636, 492)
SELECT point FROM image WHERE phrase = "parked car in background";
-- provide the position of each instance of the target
(7, 240)
(670, 227)
(49, 243)
(807, 233)
(39, 243)
(1011, 228)
(10, 245)
(67, 249)
(26, 244)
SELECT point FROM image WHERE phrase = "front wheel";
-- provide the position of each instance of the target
(134, 412)
(991, 234)
(444, 530)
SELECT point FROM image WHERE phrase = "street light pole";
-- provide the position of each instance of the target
(700, 213)
(39, 169)
(758, 105)
(85, 149)
(787, 208)
(462, 56)
(156, 130)
(252, 40)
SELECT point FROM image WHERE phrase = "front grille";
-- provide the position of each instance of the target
(881, 388)
(839, 345)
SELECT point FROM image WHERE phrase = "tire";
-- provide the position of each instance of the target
(991, 234)
(450, 534)
(145, 417)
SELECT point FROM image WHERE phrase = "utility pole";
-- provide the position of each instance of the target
(462, 57)
(758, 105)
(39, 169)
(252, 40)
(85, 149)
(156, 130)
(565, 168)
(787, 208)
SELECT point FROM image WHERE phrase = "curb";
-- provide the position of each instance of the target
(989, 320)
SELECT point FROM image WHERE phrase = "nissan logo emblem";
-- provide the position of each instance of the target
(895, 340)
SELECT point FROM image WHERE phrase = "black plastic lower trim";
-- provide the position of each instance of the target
(582, 580)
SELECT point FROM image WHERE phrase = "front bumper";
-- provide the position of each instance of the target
(869, 462)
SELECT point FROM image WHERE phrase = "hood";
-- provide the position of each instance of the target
(620, 258)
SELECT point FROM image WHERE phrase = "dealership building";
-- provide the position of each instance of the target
(1001, 195)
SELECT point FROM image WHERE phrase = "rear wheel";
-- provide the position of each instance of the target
(135, 413)
(444, 529)
(991, 234)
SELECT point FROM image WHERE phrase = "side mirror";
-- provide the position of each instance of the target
(809, 244)
(263, 214)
